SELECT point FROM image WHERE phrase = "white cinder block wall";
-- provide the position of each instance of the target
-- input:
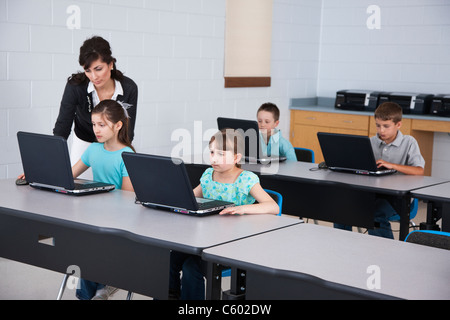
(409, 53)
(173, 49)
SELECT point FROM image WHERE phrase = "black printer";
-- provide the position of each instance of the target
(440, 106)
(414, 103)
(358, 100)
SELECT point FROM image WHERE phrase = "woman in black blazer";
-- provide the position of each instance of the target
(84, 90)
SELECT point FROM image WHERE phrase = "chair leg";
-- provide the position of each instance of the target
(316, 221)
(130, 295)
(63, 286)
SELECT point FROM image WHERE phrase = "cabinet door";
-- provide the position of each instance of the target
(306, 137)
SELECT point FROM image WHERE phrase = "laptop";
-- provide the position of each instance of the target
(350, 153)
(163, 183)
(46, 165)
(250, 131)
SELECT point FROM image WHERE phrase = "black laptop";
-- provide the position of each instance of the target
(349, 153)
(46, 165)
(163, 183)
(250, 131)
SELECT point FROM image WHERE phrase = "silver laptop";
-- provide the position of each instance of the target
(350, 153)
(46, 164)
(163, 183)
(250, 131)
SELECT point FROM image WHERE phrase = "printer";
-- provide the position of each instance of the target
(358, 100)
(414, 103)
(440, 105)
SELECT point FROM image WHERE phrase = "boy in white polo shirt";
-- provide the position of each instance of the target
(393, 150)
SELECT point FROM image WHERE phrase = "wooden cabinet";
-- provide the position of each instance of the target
(305, 124)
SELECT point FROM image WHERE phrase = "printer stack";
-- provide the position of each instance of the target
(441, 105)
(411, 103)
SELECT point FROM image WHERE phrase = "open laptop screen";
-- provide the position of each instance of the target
(347, 151)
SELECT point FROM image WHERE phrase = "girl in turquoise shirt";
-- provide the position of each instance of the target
(110, 123)
(225, 180)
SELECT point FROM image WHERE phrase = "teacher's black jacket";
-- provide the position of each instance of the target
(76, 105)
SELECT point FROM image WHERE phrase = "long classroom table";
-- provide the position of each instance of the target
(308, 261)
(110, 238)
(332, 196)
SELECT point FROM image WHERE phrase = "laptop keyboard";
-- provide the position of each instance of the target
(88, 185)
(210, 204)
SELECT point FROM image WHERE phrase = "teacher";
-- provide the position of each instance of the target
(84, 90)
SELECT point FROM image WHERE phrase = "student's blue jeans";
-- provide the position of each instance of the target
(383, 211)
(87, 289)
(192, 284)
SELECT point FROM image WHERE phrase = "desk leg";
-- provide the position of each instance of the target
(213, 281)
(63, 286)
(238, 284)
(405, 206)
(446, 217)
(434, 213)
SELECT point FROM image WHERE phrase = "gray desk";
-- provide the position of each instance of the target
(112, 239)
(396, 184)
(438, 199)
(332, 196)
(315, 262)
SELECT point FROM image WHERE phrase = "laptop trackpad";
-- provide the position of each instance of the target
(203, 200)
(82, 181)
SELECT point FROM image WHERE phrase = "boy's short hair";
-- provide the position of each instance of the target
(270, 107)
(389, 111)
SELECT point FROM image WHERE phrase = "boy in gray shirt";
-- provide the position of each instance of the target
(393, 150)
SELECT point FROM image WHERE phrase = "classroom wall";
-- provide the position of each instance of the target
(409, 53)
(173, 49)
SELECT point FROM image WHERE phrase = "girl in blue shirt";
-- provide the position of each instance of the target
(110, 123)
(225, 180)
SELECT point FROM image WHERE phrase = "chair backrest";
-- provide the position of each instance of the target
(437, 239)
(277, 197)
(414, 208)
(305, 155)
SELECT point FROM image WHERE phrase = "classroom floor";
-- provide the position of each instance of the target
(20, 281)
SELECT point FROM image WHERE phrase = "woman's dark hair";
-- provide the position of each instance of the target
(93, 49)
(114, 112)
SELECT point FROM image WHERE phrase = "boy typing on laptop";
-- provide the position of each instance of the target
(392, 150)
